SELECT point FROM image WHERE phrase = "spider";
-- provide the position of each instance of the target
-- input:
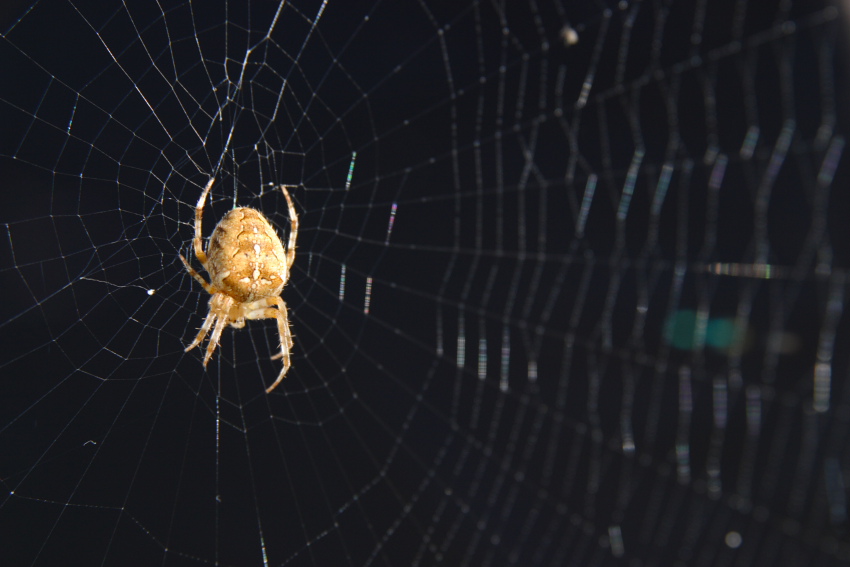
(248, 267)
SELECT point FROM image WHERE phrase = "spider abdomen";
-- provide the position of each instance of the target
(246, 257)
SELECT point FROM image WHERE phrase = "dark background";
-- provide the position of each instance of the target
(514, 394)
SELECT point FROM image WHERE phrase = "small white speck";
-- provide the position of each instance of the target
(734, 539)
(569, 35)
(151, 291)
(257, 248)
(256, 273)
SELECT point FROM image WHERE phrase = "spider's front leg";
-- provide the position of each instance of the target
(220, 305)
(262, 310)
(205, 328)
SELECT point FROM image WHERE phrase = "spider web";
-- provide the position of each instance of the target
(569, 287)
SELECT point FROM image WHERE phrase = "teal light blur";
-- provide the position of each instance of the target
(681, 331)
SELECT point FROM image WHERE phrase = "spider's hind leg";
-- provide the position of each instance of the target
(197, 276)
(293, 231)
(199, 216)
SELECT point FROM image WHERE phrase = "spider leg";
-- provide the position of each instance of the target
(199, 214)
(214, 338)
(205, 328)
(220, 305)
(209, 289)
(293, 233)
(282, 328)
